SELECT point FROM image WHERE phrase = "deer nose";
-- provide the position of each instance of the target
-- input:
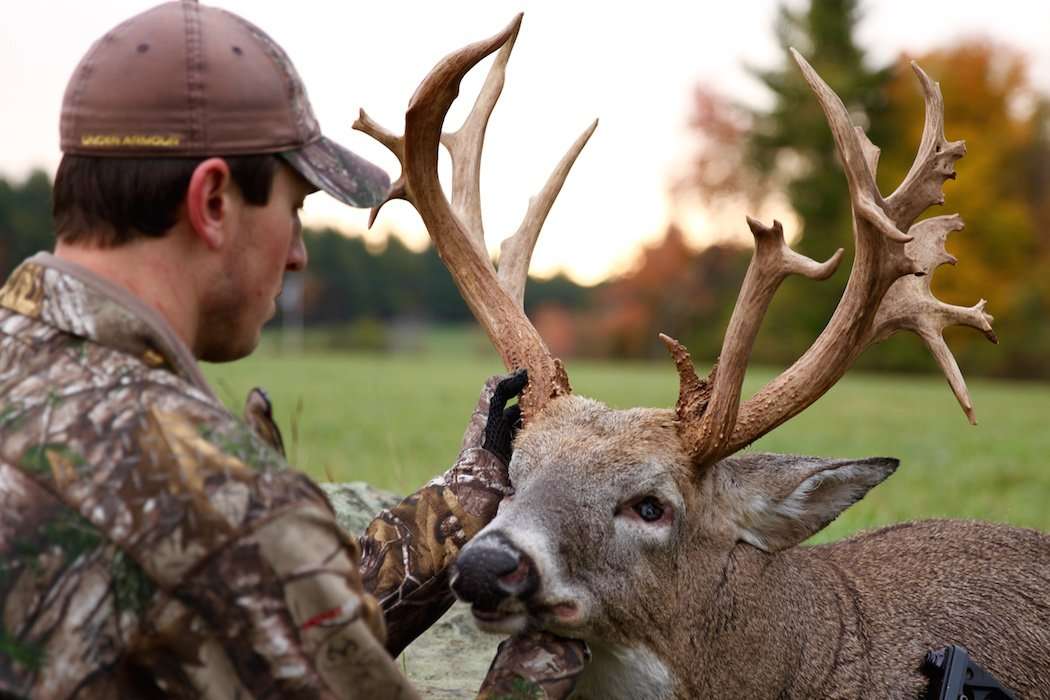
(490, 570)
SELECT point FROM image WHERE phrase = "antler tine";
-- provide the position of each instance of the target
(934, 162)
(888, 288)
(455, 227)
(516, 251)
(910, 305)
(396, 145)
(706, 426)
(864, 194)
(465, 145)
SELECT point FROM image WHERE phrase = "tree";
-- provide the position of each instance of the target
(1002, 193)
(791, 146)
(25, 220)
(671, 289)
(787, 151)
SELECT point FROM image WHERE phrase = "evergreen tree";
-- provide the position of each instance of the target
(25, 220)
(791, 149)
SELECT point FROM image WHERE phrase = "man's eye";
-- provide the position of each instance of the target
(649, 509)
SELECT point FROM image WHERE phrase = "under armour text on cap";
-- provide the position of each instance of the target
(184, 79)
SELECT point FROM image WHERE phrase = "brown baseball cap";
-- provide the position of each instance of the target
(184, 79)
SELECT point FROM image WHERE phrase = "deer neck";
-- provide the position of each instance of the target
(622, 672)
(776, 625)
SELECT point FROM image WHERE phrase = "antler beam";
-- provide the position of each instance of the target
(495, 299)
(888, 288)
(770, 265)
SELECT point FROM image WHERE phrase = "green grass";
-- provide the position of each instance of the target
(396, 421)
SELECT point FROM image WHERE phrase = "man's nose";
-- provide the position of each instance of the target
(297, 256)
(492, 569)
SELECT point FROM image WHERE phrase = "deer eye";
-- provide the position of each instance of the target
(649, 509)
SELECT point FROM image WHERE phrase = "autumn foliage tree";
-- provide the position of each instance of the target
(671, 289)
(1003, 194)
(748, 156)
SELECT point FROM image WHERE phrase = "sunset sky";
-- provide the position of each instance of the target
(632, 65)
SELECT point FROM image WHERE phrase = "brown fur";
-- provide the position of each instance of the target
(728, 619)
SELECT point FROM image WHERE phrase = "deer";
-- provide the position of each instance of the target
(652, 534)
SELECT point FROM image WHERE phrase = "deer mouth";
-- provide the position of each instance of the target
(506, 620)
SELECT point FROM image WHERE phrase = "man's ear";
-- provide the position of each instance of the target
(776, 501)
(209, 200)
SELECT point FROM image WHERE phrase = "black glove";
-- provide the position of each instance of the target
(503, 422)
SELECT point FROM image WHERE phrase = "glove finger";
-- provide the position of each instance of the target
(510, 386)
(512, 417)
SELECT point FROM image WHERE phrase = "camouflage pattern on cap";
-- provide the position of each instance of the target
(348, 177)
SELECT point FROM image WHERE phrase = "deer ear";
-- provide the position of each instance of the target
(777, 501)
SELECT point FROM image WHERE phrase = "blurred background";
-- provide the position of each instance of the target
(374, 360)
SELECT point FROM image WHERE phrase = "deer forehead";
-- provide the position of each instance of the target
(585, 437)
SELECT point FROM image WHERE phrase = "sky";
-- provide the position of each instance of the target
(631, 65)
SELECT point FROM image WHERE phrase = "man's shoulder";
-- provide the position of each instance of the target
(43, 369)
(35, 355)
(140, 453)
(96, 404)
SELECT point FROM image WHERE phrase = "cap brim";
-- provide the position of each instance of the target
(346, 176)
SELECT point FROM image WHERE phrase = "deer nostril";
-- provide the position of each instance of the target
(523, 581)
(490, 571)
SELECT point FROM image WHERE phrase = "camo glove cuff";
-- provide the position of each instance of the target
(479, 477)
(536, 666)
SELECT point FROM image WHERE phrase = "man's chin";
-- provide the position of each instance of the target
(229, 349)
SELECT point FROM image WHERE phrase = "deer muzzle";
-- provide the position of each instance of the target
(492, 572)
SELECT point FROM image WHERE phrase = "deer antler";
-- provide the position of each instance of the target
(496, 300)
(888, 289)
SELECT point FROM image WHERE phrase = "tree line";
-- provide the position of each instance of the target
(347, 280)
(758, 161)
(754, 161)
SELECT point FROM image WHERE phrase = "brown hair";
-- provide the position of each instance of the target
(107, 202)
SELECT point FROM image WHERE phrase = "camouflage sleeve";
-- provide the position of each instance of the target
(280, 587)
(407, 550)
(286, 599)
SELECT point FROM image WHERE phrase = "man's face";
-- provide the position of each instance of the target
(265, 242)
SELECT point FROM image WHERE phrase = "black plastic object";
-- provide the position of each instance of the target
(955, 676)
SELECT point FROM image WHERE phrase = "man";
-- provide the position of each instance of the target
(151, 544)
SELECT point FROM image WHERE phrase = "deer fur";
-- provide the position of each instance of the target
(721, 602)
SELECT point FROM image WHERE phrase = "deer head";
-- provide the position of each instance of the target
(626, 523)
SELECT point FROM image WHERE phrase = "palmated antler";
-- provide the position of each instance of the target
(495, 299)
(888, 289)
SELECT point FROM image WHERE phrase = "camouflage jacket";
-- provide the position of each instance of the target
(151, 544)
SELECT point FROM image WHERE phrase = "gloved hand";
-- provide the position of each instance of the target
(407, 550)
(503, 423)
(537, 666)
(479, 477)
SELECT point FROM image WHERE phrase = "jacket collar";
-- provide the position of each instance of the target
(74, 300)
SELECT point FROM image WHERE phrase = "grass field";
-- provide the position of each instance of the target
(396, 420)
